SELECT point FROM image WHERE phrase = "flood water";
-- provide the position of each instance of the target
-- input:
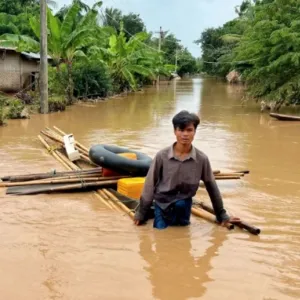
(68, 246)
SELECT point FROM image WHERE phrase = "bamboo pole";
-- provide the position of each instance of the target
(119, 203)
(243, 225)
(53, 153)
(84, 155)
(112, 203)
(227, 177)
(74, 186)
(208, 217)
(230, 174)
(56, 181)
(106, 203)
(67, 161)
(40, 176)
(53, 135)
(60, 138)
(76, 142)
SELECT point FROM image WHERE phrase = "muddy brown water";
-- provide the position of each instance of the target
(68, 246)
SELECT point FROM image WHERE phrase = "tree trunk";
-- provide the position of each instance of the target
(44, 60)
(70, 91)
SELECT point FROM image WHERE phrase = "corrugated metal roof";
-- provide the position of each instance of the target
(32, 55)
(7, 48)
(29, 55)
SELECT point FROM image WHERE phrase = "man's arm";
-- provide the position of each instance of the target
(151, 181)
(213, 191)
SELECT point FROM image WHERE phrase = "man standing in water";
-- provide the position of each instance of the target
(173, 179)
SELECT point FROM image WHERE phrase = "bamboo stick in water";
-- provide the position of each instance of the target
(105, 202)
(58, 139)
(40, 176)
(57, 181)
(53, 153)
(252, 229)
(119, 203)
(208, 216)
(72, 168)
(110, 201)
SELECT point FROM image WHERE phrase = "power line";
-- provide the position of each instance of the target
(106, 14)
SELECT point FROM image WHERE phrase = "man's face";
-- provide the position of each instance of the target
(185, 136)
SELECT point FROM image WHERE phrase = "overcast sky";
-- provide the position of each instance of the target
(185, 18)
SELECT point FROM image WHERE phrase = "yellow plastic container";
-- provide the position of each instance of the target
(131, 187)
(107, 172)
(128, 155)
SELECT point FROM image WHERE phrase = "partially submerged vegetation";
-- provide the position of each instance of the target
(92, 55)
(262, 45)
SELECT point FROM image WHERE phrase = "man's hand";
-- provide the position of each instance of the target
(232, 220)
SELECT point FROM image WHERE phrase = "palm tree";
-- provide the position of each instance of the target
(112, 17)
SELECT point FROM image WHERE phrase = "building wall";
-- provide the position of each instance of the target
(9, 71)
(15, 71)
(28, 68)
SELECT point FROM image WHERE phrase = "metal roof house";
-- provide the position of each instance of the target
(18, 70)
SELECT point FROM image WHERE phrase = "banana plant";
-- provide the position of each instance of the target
(132, 59)
(67, 40)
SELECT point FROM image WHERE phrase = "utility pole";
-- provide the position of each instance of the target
(43, 59)
(161, 36)
(176, 56)
(176, 60)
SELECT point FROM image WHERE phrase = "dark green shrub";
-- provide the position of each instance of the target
(57, 103)
(91, 80)
(2, 111)
(15, 108)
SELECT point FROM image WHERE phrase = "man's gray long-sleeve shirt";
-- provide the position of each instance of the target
(170, 179)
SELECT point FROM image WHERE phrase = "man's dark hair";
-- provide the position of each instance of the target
(184, 118)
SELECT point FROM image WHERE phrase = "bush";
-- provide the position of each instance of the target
(57, 80)
(15, 108)
(91, 80)
(57, 103)
(2, 111)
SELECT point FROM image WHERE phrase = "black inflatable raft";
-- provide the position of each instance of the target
(106, 156)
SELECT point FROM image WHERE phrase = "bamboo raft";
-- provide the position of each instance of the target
(85, 175)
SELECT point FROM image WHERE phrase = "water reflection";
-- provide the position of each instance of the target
(174, 268)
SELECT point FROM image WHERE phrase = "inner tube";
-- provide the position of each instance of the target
(106, 156)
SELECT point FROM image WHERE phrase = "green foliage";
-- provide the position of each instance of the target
(129, 59)
(57, 80)
(16, 24)
(15, 108)
(263, 45)
(187, 64)
(89, 58)
(57, 103)
(132, 23)
(8, 28)
(171, 47)
(91, 80)
(10, 7)
(2, 110)
(218, 44)
(271, 47)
